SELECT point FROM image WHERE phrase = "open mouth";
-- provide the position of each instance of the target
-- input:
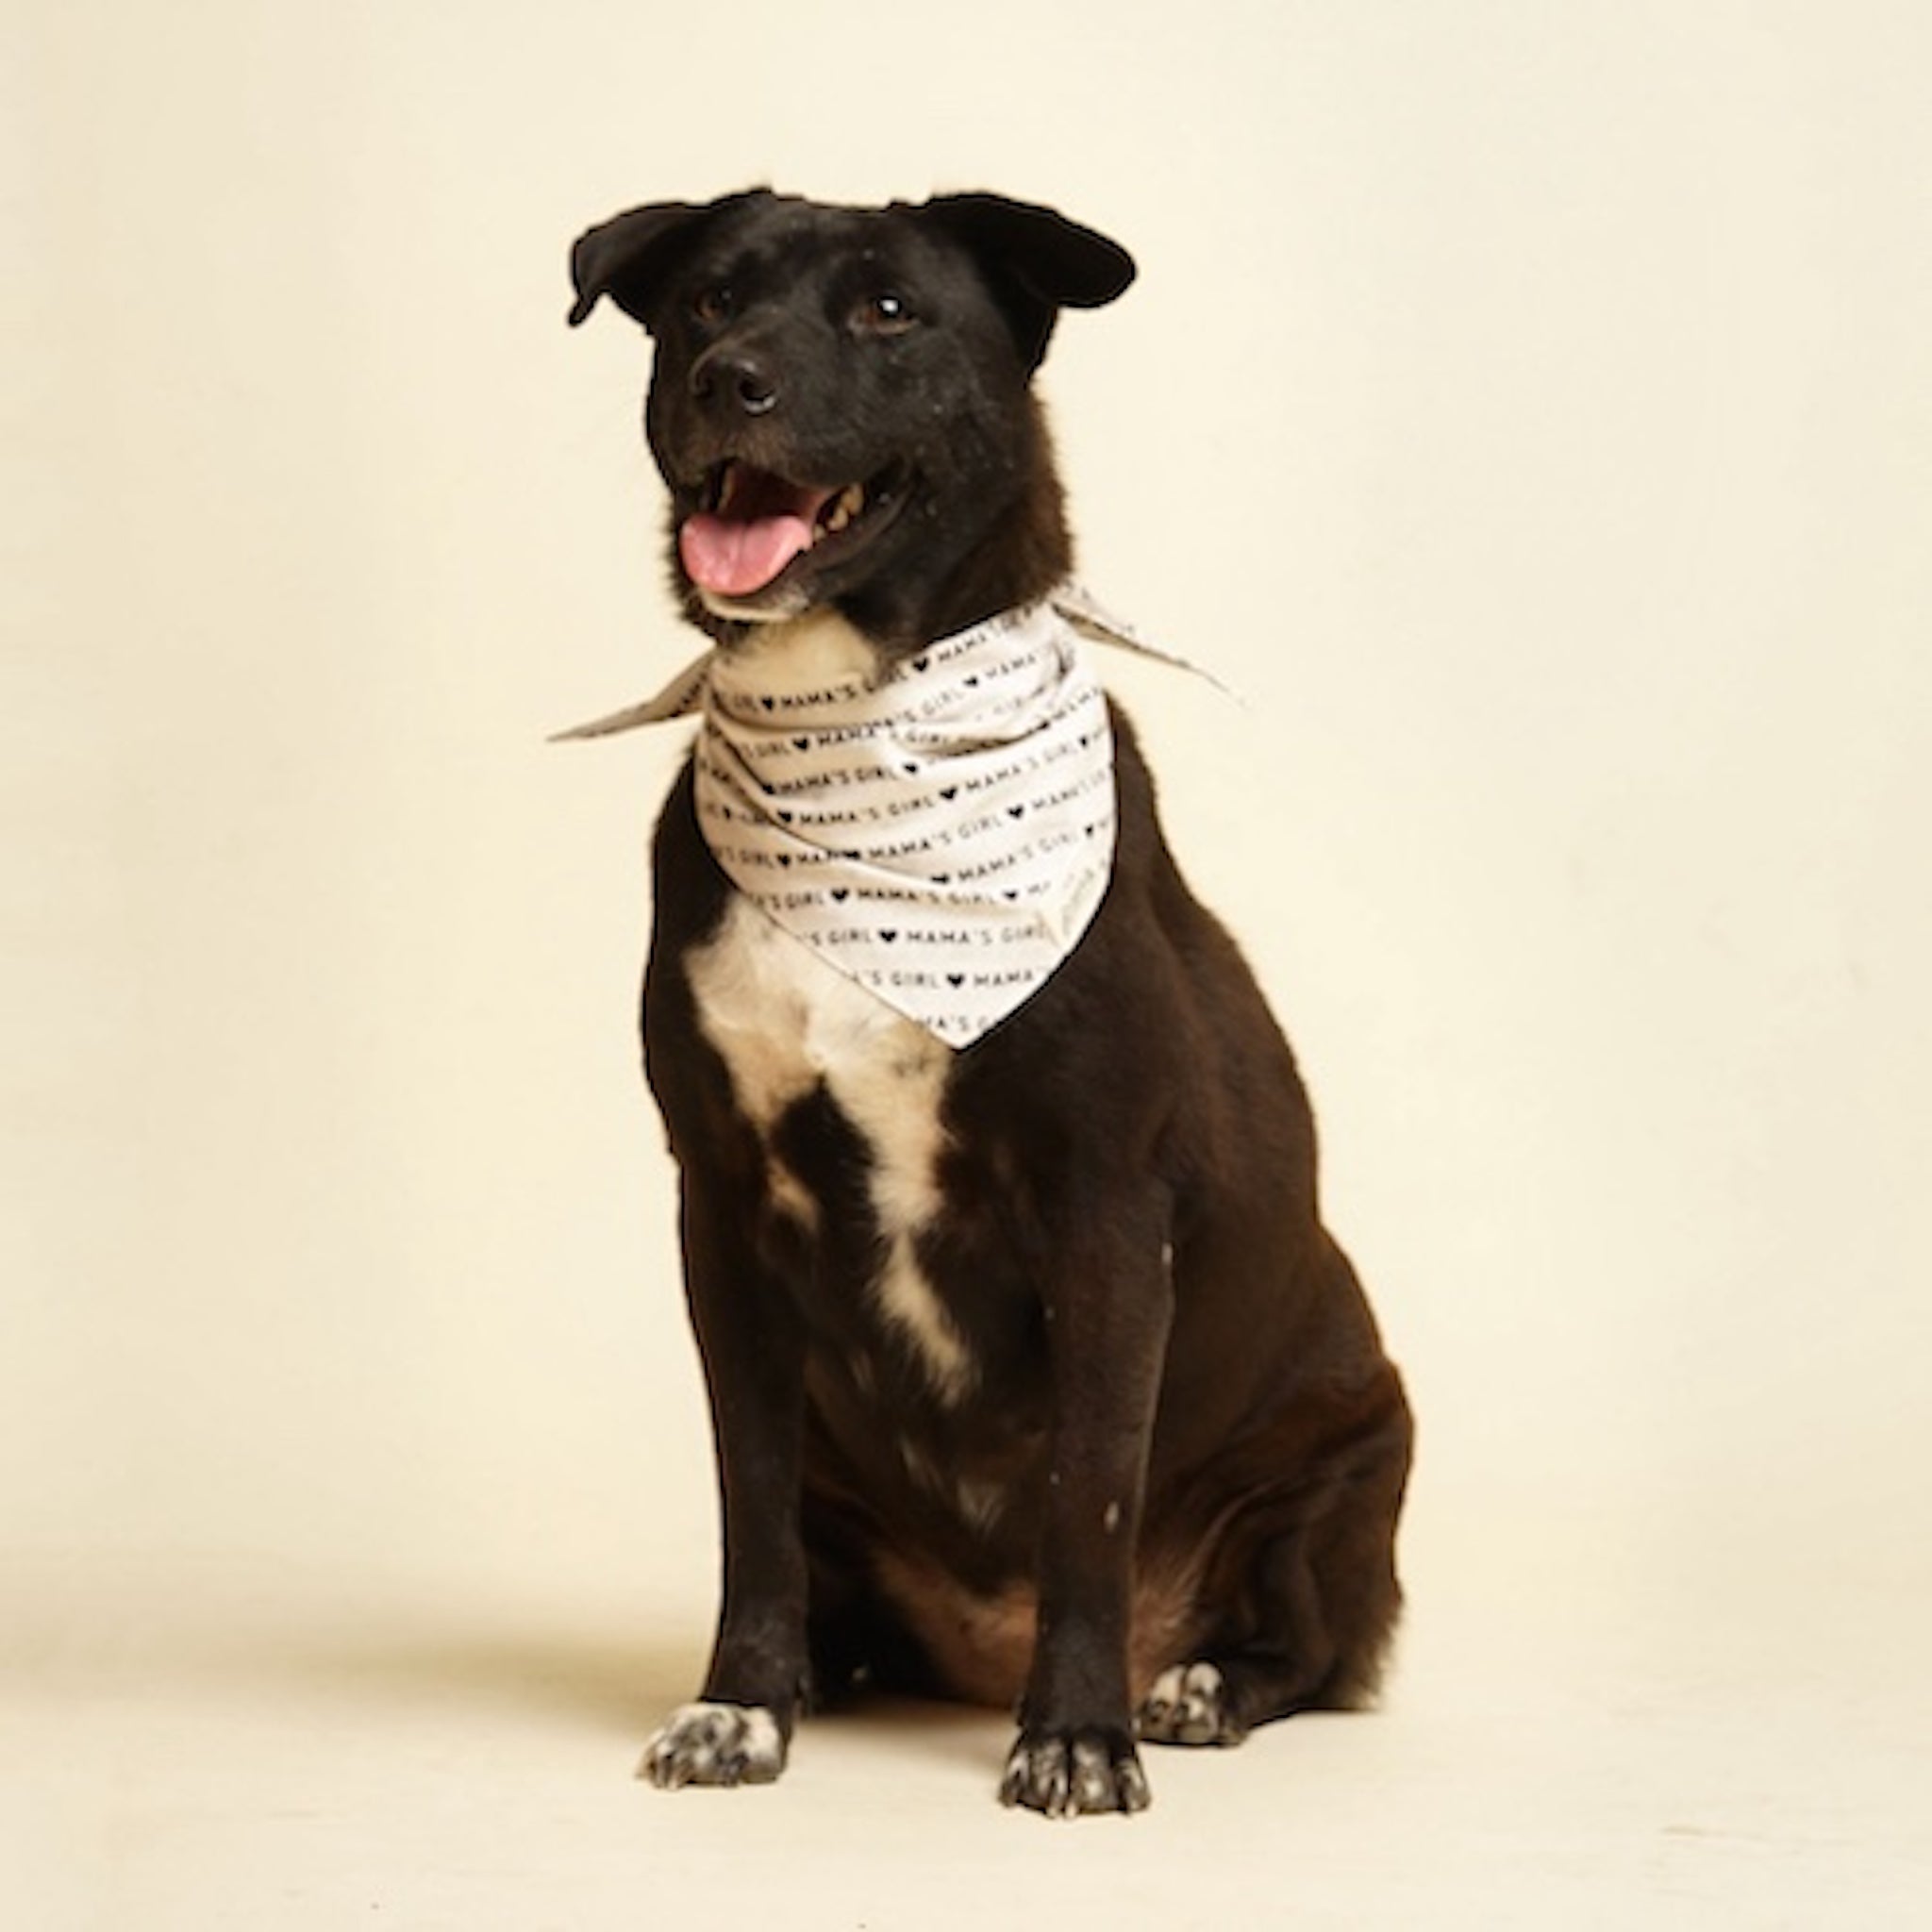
(752, 527)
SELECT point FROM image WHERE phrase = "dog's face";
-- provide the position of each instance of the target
(841, 403)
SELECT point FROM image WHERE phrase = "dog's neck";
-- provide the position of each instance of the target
(822, 649)
(819, 648)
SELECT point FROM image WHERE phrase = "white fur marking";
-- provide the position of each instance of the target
(805, 652)
(715, 1745)
(981, 1505)
(916, 1465)
(790, 1194)
(784, 1019)
(1185, 1706)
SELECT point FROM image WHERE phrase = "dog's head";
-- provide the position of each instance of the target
(841, 402)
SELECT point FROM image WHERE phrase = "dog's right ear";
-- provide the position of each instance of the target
(628, 257)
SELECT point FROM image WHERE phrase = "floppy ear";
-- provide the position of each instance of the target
(628, 257)
(1034, 259)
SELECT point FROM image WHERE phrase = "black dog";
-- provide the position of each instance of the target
(1034, 1373)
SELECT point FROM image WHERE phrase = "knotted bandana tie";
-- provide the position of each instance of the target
(942, 832)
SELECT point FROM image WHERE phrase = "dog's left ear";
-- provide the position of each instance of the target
(1036, 260)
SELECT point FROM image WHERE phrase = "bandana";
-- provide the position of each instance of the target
(941, 831)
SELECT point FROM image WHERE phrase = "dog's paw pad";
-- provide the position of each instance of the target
(1075, 1777)
(715, 1745)
(1187, 1704)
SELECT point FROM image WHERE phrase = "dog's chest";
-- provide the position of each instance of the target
(786, 1024)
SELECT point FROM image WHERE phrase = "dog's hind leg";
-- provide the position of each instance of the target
(1310, 1621)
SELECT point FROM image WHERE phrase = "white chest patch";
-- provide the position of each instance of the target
(785, 1021)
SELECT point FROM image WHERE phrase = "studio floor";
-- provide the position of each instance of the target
(212, 1741)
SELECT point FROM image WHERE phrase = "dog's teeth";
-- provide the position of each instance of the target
(850, 501)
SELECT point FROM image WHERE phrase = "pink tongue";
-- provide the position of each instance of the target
(733, 558)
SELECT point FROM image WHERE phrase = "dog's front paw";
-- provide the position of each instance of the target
(1074, 1775)
(1188, 1704)
(715, 1745)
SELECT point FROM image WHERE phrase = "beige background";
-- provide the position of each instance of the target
(1526, 407)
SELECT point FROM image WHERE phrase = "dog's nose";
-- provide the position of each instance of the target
(734, 377)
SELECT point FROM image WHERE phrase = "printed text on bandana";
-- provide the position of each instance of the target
(942, 836)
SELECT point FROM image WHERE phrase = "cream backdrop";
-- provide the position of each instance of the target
(1525, 408)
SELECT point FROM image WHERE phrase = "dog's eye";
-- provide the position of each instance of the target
(714, 305)
(885, 313)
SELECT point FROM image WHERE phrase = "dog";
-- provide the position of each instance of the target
(1036, 1380)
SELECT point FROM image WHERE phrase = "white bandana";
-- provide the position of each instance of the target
(942, 832)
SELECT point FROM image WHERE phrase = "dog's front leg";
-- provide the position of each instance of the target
(751, 1339)
(1109, 1308)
